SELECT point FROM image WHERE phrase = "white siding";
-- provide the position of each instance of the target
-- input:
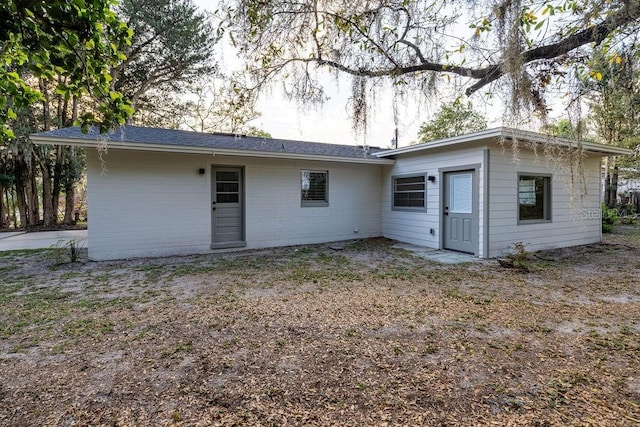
(152, 204)
(414, 227)
(575, 218)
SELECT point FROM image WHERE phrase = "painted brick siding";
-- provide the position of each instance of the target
(413, 227)
(152, 204)
(571, 223)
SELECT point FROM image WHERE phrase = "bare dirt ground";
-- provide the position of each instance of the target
(367, 335)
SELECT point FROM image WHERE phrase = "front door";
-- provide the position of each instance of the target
(227, 217)
(460, 214)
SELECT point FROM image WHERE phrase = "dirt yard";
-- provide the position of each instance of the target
(366, 335)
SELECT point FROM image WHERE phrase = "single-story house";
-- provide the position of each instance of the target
(154, 192)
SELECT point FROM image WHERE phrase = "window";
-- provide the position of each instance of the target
(314, 186)
(409, 192)
(534, 197)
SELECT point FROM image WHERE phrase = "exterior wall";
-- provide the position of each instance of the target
(575, 220)
(414, 227)
(154, 204)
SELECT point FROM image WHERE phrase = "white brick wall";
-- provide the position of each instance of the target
(152, 204)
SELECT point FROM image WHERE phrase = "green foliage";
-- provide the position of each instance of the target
(254, 131)
(72, 43)
(564, 128)
(172, 45)
(609, 218)
(452, 120)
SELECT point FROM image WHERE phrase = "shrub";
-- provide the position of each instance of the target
(609, 217)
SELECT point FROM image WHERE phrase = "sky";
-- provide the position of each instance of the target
(330, 123)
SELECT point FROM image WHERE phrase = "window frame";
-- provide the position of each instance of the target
(394, 179)
(315, 203)
(547, 197)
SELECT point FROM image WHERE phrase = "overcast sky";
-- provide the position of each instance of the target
(330, 122)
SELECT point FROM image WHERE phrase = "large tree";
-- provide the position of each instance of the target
(74, 43)
(452, 120)
(526, 44)
(172, 46)
(615, 103)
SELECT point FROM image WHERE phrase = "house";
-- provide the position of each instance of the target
(154, 192)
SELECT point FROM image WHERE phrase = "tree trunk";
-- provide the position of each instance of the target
(70, 182)
(48, 206)
(2, 208)
(69, 188)
(70, 204)
(12, 205)
(21, 197)
(614, 185)
(34, 219)
(57, 179)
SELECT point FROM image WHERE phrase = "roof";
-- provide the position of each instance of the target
(170, 140)
(507, 133)
(181, 141)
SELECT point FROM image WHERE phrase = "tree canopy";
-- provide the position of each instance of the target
(74, 43)
(520, 46)
(172, 45)
(452, 120)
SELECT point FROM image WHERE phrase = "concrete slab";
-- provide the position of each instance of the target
(6, 235)
(441, 256)
(42, 239)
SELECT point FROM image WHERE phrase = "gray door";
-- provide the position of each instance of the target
(460, 214)
(227, 217)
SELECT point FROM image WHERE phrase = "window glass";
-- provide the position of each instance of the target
(409, 192)
(534, 198)
(314, 187)
(461, 192)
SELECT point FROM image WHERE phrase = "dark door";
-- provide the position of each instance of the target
(460, 215)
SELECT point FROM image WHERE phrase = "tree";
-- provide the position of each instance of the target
(172, 45)
(615, 105)
(564, 128)
(529, 45)
(203, 107)
(71, 42)
(452, 120)
(225, 109)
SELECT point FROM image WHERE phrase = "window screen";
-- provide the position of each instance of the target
(314, 188)
(409, 192)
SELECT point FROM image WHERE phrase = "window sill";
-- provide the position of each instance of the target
(534, 221)
(314, 204)
(399, 209)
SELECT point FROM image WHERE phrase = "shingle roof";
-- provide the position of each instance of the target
(179, 138)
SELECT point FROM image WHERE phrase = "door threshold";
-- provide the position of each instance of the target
(228, 245)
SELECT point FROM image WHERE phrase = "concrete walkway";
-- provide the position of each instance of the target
(444, 257)
(41, 240)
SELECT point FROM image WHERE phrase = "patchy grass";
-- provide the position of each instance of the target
(360, 334)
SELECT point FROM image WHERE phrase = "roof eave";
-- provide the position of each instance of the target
(503, 132)
(121, 145)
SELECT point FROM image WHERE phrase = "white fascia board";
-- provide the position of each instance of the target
(509, 133)
(120, 145)
(489, 133)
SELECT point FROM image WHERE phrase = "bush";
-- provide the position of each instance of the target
(609, 217)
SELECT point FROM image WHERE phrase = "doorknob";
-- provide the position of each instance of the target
(446, 210)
